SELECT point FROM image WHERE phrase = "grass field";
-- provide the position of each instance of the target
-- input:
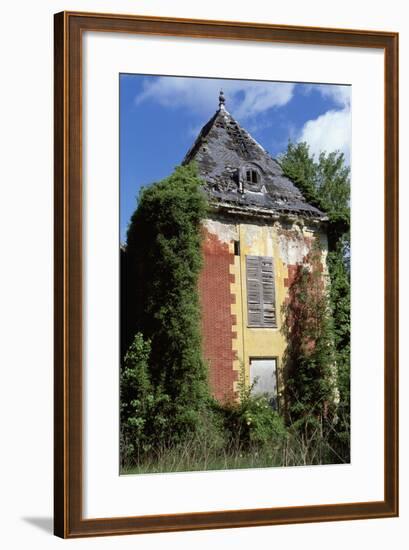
(198, 456)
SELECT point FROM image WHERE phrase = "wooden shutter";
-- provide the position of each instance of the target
(260, 292)
(254, 292)
(267, 279)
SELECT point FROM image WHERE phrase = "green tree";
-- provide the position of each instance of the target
(164, 261)
(326, 184)
(300, 167)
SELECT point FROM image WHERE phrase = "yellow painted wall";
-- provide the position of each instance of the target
(287, 246)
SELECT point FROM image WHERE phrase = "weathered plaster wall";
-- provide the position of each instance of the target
(288, 243)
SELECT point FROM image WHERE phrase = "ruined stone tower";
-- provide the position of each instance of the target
(258, 231)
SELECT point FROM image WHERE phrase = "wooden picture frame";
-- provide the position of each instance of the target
(68, 262)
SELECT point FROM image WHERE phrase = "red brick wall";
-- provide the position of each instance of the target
(292, 273)
(217, 320)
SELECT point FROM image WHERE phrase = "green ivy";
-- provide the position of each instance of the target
(325, 183)
(164, 260)
(310, 356)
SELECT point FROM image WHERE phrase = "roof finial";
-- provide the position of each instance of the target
(222, 100)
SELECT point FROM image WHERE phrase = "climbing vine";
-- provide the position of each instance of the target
(325, 183)
(310, 354)
(163, 264)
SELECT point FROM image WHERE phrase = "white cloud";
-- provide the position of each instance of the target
(329, 132)
(245, 99)
(260, 97)
(340, 94)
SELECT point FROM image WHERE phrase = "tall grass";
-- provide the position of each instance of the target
(236, 435)
(294, 449)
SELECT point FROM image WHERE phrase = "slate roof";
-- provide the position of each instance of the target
(223, 150)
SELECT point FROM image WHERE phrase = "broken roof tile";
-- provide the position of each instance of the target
(223, 151)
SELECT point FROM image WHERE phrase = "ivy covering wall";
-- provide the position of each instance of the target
(163, 264)
(325, 183)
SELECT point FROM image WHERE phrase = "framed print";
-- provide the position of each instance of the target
(226, 274)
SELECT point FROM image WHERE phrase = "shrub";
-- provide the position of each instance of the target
(143, 407)
(251, 422)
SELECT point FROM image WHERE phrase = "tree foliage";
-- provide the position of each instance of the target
(338, 266)
(163, 264)
(326, 184)
(143, 411)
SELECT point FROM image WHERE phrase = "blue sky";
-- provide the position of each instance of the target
(160, 117)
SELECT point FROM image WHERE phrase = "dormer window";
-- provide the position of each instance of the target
(250, 177)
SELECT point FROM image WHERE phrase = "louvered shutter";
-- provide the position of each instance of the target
(267, 279)
(254, 292)
(260, 291)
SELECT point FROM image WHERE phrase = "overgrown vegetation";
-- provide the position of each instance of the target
(251, 423)
(326, 184)
(163, 263)
(243, 434)
(169, 420)
(310, 355)
(144, 407)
